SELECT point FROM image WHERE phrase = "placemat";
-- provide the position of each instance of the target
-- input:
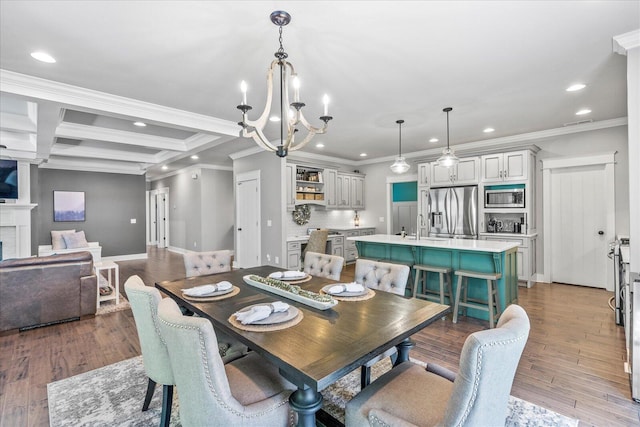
(370, 294)
(233, 292)
(267, 328)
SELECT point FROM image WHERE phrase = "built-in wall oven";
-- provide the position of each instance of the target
(504, 196)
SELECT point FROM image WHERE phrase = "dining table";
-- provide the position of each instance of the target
(326, 344)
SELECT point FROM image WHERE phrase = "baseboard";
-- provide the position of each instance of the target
(129, 257)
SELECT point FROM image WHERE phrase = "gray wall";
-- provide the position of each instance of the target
(111, 201)
(200, 210)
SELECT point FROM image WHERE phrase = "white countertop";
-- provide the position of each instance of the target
(305, 237)
(436, 242)
(512, 235)
(350, 228)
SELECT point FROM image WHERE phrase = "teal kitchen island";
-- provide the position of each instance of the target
(485, 256)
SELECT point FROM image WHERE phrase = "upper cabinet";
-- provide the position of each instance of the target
(330, 188)
(505, 166)
(350, 191)
(466, 172)
(305, 185)
(424, 174)
(290, 179)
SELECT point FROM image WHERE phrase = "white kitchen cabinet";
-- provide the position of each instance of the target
(357, 192)
(290, 178)
(337, 245)
(350, 191)
(424, 174)
(526, 256)
(350, 250)
(423, 212)
(294, 253)
(466, 172)
(343, 191)
(505, 166)
(330, 188)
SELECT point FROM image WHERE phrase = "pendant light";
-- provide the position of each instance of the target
(400, 165)
(448, 157)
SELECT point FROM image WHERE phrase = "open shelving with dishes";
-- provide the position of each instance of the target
(309, 185)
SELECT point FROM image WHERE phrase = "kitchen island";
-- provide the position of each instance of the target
(460, 254)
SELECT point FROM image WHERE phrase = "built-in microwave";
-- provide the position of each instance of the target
(504, 196)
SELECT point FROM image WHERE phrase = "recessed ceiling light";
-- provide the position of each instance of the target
(195, 157)
(583, 112)
(44, 57)
(319, 145)
(140, 124)
(575, 87)
(274, 119)
(363, 154)
(488, 130)
(165, 167)
(433, 140)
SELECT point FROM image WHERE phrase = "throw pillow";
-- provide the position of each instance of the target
(57, 242)
(75, 240)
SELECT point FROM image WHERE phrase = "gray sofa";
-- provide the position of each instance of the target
(38, 291)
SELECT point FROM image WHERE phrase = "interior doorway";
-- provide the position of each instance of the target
(579, 220)
(158, 217)
(402, 204)
(248, 242)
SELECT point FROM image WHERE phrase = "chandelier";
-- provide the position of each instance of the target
(291, 117)
(448, 157)
(400, 165)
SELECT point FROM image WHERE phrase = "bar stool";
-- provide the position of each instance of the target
(422, 272)
(493, 298)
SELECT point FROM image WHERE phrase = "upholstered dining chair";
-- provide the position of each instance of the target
(386, 277)
(247, 391)
(317, 242)
(144, 302)
(477, 396)
(323, 265)
(213, 262)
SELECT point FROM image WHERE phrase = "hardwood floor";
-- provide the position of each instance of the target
(572, 363)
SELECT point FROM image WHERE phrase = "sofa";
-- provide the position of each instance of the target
(39, 291)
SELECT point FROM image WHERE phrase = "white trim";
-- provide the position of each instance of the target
(402, 178)
(625, 42)
(177, 250)
(246, 153)
(93, 166)
(118, 106)
(389, 182)
(125, 257)
(607, 159)
(189, 169)
(569, 162)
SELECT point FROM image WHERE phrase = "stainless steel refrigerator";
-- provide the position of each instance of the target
(453, 212)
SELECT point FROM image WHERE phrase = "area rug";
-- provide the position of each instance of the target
(110, 306)
(113, 395)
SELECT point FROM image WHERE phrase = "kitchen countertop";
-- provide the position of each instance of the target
(440, 243)
(514, 235)
(350, 228)
(305, 237)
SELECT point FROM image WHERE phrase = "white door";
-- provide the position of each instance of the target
(153, 220)
(247, 220)
(579, 232)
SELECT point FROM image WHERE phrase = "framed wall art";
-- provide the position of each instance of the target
(68, 206)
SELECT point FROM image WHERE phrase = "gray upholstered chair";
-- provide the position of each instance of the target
(477, 396)
(213, 262)
(144, 302)
(247, 391)
(323, 265)
(317, 242)
(202, 263)
(386, 277)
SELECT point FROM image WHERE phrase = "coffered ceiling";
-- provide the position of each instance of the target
(177, 65)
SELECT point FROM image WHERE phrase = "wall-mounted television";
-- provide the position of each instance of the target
(8, 179)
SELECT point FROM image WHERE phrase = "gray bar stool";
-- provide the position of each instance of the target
(493, 298)
(422, 271)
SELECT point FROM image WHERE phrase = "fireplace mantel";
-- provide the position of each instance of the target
(15, 229)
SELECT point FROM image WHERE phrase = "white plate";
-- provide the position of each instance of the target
(289, 279)
(210, 294)
(275, 318)
(344, 294)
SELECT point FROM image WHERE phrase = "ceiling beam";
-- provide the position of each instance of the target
(65, 150)
(49, 115)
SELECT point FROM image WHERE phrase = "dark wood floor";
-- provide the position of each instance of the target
(572, 363)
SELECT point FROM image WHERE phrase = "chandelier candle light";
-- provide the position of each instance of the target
(400, 165)
(448, 158)
(290, 113)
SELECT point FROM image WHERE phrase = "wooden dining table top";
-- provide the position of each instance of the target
(326, 344)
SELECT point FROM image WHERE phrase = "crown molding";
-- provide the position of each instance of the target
(62, 150)
(625, 42)
(118, 106)
(245, 153)
(189, 169)
(507, 142)
(303, 155)
(93, 166)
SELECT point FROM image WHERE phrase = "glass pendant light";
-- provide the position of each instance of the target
(448, 157)
(400, 165)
